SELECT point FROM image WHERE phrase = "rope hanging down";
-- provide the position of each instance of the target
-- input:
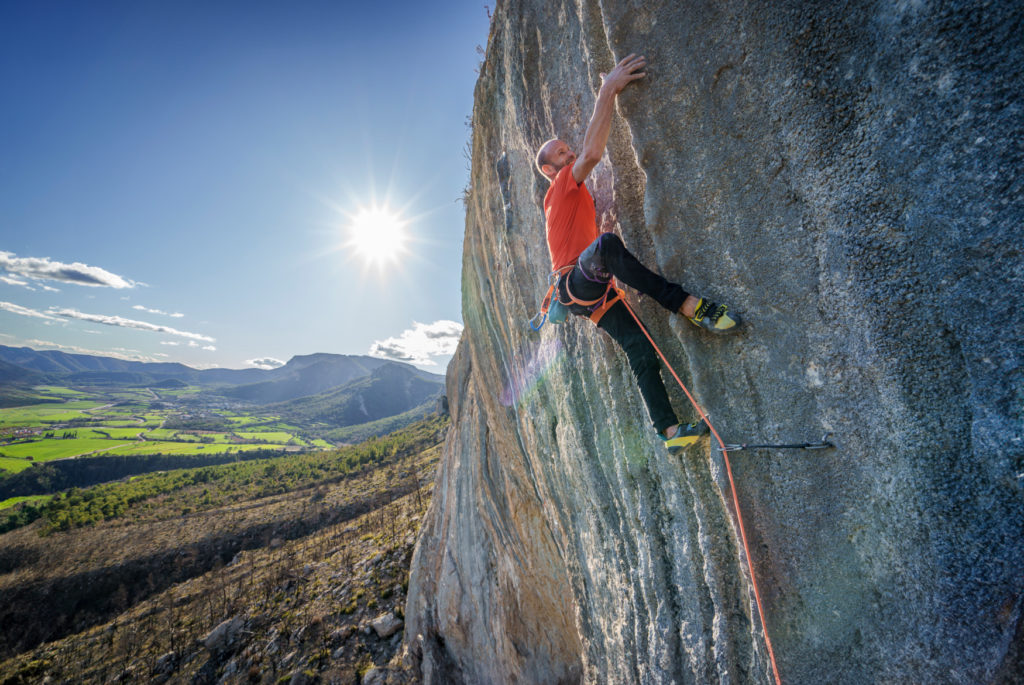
(732, 486)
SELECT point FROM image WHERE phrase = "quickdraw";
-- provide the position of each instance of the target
(545, 304)
(823, 444)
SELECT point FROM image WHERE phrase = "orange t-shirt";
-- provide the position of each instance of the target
(570, 218)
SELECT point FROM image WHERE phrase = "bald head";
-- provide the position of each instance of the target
(553, 156)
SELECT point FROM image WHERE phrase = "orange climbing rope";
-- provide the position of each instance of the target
(732, 486)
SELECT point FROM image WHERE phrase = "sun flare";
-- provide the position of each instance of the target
(377, 234)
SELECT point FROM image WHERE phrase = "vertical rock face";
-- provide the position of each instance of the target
(849, 177)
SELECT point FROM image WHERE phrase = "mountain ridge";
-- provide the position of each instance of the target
(320, 370)
(388, 390)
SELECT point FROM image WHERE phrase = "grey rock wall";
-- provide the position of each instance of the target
(849, 176)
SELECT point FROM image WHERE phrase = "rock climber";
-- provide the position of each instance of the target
(587, 260)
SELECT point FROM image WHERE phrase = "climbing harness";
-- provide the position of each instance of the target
(820, 445)
(554, 310)
(732, 486)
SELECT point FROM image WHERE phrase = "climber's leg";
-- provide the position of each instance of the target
(607, 256)
(643, 362)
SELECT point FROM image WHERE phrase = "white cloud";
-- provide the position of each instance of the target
(266, 363)
(11, 280)
(170, 342)
(44, 268)
(126, 350)
(25, 311)
(418, 344)
(211, 348)
(176, 315)
(130, 323)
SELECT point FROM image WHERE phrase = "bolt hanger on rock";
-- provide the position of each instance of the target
(823, 444)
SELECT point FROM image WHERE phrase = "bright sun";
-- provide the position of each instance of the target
(377, 234)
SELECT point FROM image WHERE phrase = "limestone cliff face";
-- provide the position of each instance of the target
(848, 176)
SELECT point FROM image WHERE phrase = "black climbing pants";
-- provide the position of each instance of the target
(607, 257)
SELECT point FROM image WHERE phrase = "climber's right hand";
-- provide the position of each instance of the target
(624, 73)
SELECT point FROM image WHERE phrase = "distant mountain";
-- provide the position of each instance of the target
(16, 385)
(356, 433)
(11, 373)
(171, 383)
(306, 375)
(302, 375)
(55, 363)
(392, 388)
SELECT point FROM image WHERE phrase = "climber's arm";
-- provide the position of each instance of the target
(596, 138)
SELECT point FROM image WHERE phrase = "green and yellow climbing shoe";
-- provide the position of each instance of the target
(714, 317)
(685, 436)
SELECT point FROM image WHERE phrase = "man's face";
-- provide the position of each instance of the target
(559, 154)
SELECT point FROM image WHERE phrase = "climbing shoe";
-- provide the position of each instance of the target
(685, 436)
(714, 317)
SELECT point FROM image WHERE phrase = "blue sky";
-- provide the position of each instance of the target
(199, 165)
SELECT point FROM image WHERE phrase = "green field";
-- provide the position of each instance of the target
(267, 436)
(14, 465)
(155, 447)
(56, 448)
(132, 409)
(39, 414)
(58, 391)
(175, 435)
(247, 420)
(220, 437)
(123, 433)
(140, 396)
(178, 392)
(13, 457)
(114, 433)
(161, 433)
(10, 502)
